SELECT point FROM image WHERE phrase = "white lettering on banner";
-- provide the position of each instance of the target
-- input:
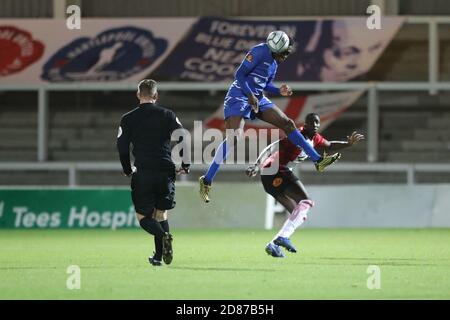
(219, 42)
(147, 47)
(197, 64)
(93, 219)
(215, 62)
(28, 219)
(26, 46)
(2, 206)
(74, 216)
(19, 211)
(126, 36)
(245, 45)
(6, 34)
(219, 55)
(248, 30)
(107, 219)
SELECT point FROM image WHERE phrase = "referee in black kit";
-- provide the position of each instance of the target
(149, 128)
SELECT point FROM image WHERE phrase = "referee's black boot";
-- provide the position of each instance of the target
(167, 248)
(154, 262)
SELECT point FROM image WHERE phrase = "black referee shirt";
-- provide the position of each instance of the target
(148, 128)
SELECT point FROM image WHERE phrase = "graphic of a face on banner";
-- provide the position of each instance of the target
(324, 50)
(341, 50)
(184, 49)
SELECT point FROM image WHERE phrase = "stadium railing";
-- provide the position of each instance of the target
(73, 168)
(371, 88)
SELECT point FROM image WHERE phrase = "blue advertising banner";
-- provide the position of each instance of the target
(324, 50)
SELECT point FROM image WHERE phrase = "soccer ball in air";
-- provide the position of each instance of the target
(278, 41)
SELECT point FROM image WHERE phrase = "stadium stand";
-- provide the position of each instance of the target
(82, 125)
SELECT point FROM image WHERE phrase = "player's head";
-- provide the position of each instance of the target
(147, 90)
(312, 123)
(280, 44)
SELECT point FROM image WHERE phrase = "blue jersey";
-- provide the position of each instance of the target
(255, 74)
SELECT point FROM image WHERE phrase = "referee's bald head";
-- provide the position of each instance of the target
(147, 89)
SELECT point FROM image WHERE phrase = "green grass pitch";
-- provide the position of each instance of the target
(226, 264)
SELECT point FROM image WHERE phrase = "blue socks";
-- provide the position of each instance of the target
(299, 140)
(219, 158)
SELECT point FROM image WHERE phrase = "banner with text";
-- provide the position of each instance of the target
(324, 50)
(43, 51)
(97, 208)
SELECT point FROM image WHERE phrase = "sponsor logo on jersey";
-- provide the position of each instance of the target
(277, 182)
(112, 55)
(18, 50)
(249, 58)
(257, 80)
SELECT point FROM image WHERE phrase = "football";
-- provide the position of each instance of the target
(278, 41)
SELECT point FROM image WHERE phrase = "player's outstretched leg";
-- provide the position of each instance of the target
(276, 117)
(326, 161)
(274, 250)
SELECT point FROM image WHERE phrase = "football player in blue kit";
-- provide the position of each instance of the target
(245, 99)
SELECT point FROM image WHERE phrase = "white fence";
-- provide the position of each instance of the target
(73, 168)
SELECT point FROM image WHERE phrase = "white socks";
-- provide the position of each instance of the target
(296, 218)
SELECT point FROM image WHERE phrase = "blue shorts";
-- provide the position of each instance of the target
(239, 106)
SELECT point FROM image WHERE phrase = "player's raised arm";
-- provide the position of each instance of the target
(354, 138)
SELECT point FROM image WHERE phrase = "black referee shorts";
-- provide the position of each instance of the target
(152, 190)
(277, 183)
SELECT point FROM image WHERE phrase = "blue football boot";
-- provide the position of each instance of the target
(285, 243)
(274, 251)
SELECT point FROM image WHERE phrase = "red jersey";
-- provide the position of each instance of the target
(288, 152)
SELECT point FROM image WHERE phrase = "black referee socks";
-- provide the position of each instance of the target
(165, 225)
(152, 226)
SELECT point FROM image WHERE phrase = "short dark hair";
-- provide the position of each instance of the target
(147, 88)
(310, 116)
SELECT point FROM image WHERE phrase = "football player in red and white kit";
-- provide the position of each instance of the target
(284, 186)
